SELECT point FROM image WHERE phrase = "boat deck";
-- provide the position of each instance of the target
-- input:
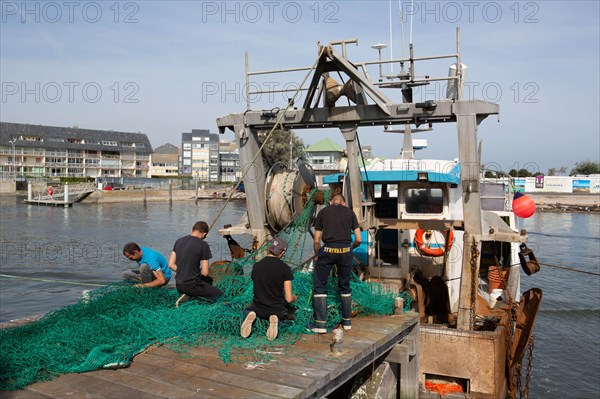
(308, 369)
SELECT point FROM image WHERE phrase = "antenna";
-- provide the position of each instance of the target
(391, 38)
(379, 47)
(412, 2)
(401, 26)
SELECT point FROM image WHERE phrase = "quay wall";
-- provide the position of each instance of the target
(115, 196)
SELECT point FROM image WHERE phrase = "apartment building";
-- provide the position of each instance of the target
(200, 155)
(52, 151)
(229, 162)
(165, 161)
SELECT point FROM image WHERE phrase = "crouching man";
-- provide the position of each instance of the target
(272, 279)
(153, 268)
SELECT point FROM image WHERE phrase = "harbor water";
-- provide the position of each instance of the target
(48, 256)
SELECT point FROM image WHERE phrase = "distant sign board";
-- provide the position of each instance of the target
(539, 181)
(519, 185)
(581, 186)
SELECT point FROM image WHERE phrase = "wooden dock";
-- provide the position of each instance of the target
(308, 369)
(63, 196)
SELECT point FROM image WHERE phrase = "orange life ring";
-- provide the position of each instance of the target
(50, 191)
(426, 249)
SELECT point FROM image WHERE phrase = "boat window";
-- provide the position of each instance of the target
(424, 200)
(385, 190)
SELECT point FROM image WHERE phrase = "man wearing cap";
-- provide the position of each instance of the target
(272, 280)
(333, 225)
(153, 268)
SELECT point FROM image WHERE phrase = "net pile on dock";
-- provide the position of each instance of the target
(116, 322)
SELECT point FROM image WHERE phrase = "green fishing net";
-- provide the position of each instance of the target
(110, 325)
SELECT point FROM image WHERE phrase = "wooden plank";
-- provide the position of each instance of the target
(86, 385)
(183, 378)
(176, 375)
(154, 382)
(22, 394)
(20, 322)
(275, 375)
(253, 387)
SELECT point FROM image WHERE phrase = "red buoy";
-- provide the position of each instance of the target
(523, 206)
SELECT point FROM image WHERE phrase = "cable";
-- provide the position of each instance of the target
(570, 269)
(51, 281)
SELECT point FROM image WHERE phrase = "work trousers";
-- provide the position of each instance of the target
(325, 263)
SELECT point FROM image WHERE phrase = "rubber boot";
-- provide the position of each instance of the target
(319, 326)
(346, 310)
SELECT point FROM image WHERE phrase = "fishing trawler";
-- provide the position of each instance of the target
(429, 227)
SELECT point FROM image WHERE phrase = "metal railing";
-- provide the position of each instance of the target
(405, 79)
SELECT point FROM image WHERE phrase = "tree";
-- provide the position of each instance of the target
(586, 167)
(520, 173)
(554, 171)
(277, 148)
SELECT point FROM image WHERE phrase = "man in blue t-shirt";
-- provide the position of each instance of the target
(154, 269)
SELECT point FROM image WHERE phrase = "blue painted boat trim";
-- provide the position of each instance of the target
(391, 176)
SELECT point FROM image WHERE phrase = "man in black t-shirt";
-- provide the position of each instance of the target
(189, 260)
(272, 280)
(333, 225)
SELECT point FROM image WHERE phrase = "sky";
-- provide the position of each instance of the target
(165, 67)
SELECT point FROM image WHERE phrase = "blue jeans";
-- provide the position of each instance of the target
(142, 275)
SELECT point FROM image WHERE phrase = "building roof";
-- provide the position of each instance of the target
(167, 148)
(214, 137)
(324, 145)
(72, 138)
(229, 156)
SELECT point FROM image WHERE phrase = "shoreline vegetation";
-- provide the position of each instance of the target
(546, 202)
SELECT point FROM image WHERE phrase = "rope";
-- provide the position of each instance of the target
(570, 269)
(277, 122)
(51, 281)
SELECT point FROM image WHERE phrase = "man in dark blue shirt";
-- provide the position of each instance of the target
(334, 225)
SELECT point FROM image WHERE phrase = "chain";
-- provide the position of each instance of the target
(509, 342)
(525, 391)
(517, 376)
(474, 258)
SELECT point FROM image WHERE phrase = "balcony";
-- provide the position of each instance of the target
(109, 164)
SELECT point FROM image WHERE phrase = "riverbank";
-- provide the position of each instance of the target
(557, 202)
(150, 195)
(547, 202)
